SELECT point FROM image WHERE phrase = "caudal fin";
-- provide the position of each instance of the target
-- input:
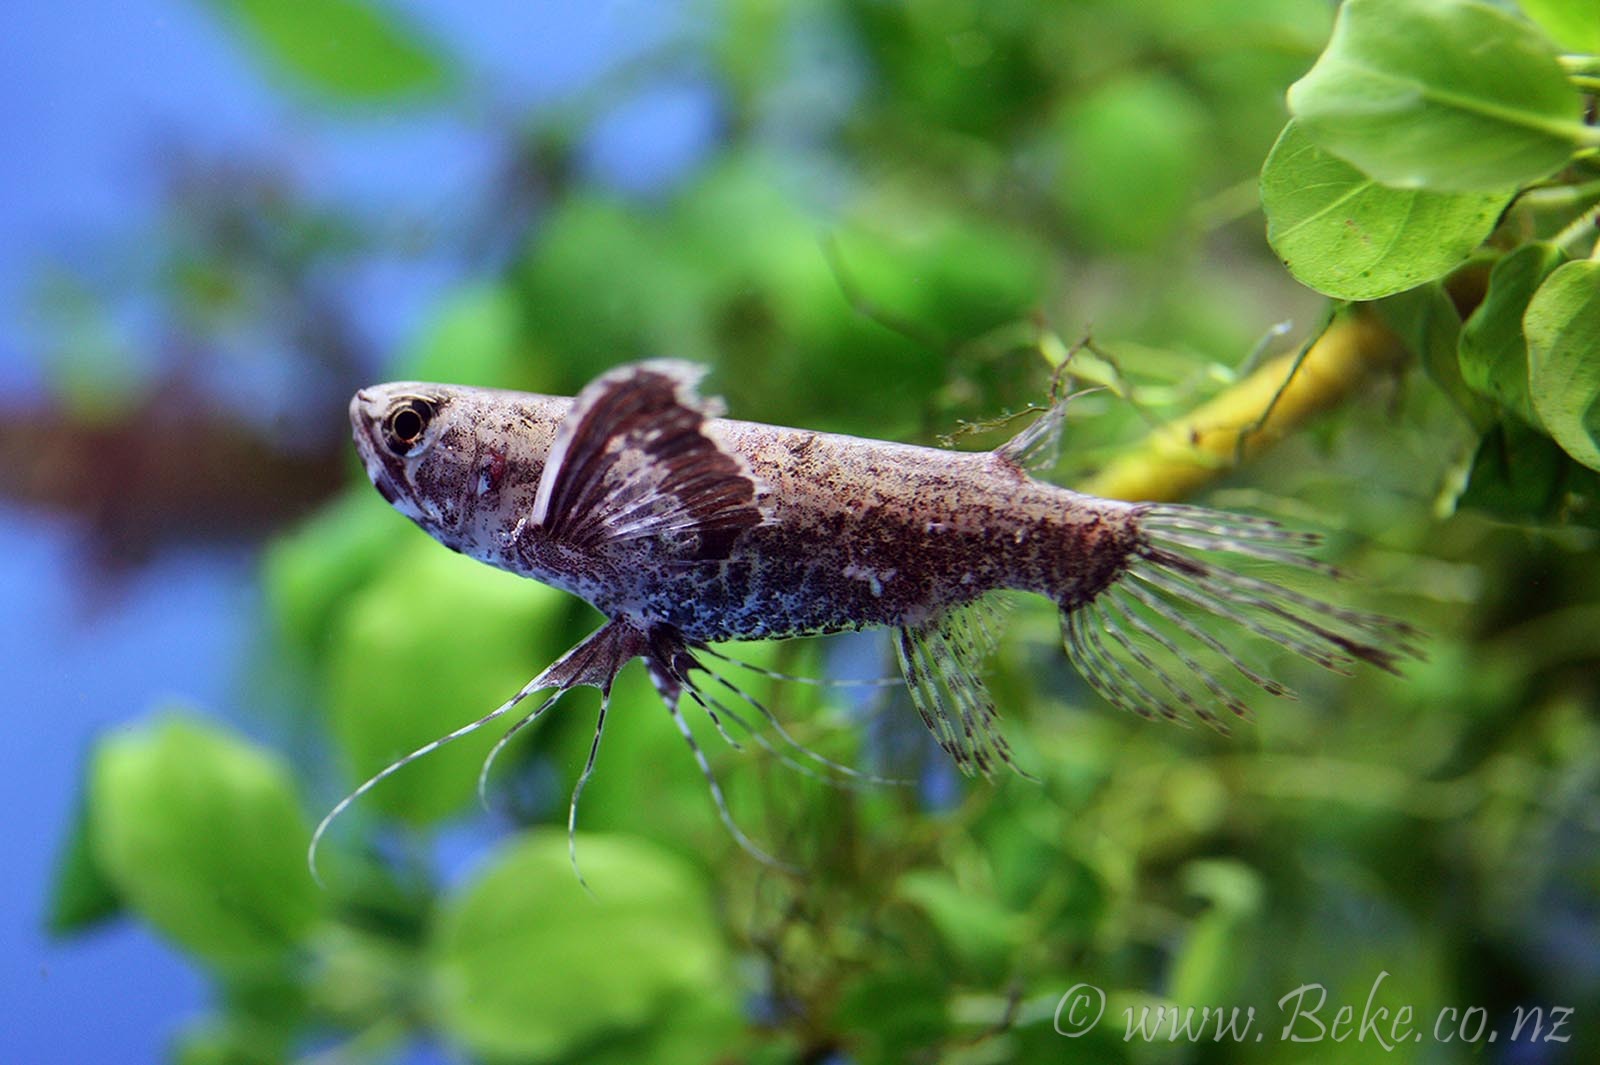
(1165, 638)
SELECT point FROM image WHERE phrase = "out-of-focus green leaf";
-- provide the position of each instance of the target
(1448, 95)
(896, 1011)
(435, 641)
(1517, 474)
(1573, 24)
(232, 1041)
(1427, 321)
(956, 65)
(956, 278)
(527, 966)
(203, 836)
(747, 44)
(979, 929)
(1220, 946)
(311, 573)
(1347, 236)
(601, 286)
(474, 338)
(1130, 162)
(1494, 355)
(1562, 325)
(348, 50)
(81, 895)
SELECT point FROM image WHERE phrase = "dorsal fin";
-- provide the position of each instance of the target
(632, 460)
(1038, 446)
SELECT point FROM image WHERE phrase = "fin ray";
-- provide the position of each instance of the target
(632, 460)
(942, 660)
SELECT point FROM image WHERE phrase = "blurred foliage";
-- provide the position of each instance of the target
(912, 214)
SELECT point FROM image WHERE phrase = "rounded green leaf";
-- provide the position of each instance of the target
(435, 641)
(1517, 473)
(1562, 325)
(311, 573)
(202, 835)
(528, 966)
(1131, 156)
(978, 928)
(1493, 354)
(1347, 236)
(1427, 321)
(1451, 95)
(1573, 24)
(473, 337)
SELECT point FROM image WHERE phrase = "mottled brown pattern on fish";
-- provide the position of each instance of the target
(862, 533)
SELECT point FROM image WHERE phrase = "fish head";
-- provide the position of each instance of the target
(463, 463)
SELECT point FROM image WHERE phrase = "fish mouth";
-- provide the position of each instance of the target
(364, 428)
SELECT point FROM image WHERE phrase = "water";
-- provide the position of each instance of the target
(89, 100)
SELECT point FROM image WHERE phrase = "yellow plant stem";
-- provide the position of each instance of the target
(1178, 459)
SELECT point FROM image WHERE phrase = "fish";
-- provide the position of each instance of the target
(686, 529)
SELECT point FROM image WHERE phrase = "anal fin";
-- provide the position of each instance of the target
(942, 661)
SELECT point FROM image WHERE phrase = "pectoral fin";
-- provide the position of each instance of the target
(633, 460)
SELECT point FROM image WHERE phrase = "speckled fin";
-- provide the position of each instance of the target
(632, 460)
(942, 660)
(1168, 637)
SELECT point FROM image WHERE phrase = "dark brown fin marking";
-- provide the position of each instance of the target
(942, 660)
(631, 460)
(1147, 626)
(594, 662)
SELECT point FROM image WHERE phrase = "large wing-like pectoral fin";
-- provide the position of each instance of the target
(633, 460)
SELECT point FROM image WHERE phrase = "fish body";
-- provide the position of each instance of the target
(844, 533)
(685, 528)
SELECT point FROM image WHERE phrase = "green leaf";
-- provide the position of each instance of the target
(1208, 967)
(1517, 474)
(1347, 236)
(1449, 95)
(81, 895)
(1426, 319)
(1494, 356)
(202, 835)
(600, 284)
(435, 641)
(526, 965)
(1131, 155)
(1562, 325)
(474, 337)
(896, 1011)
(311, 573)
(979, 929)
(1574, 24)
(344, 49)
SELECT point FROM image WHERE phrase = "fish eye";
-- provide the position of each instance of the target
(405, 423)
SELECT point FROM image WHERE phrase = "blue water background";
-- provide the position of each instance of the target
(88, 94)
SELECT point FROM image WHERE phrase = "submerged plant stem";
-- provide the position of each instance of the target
(1178, 459)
